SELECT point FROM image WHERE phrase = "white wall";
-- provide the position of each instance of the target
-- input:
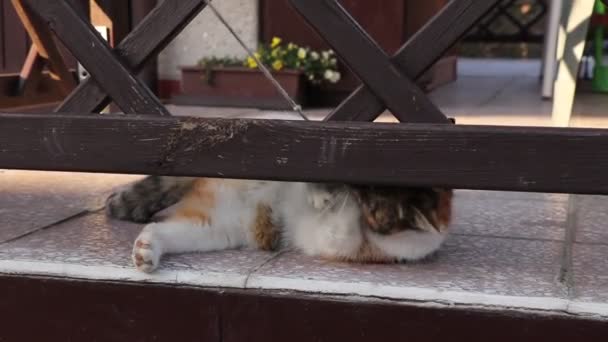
(207, 36)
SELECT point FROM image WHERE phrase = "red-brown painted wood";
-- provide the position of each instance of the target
(39, 309)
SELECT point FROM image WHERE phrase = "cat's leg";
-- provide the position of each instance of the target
(196, 226)
(158, 239)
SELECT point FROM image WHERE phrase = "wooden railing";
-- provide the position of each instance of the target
(426, 149)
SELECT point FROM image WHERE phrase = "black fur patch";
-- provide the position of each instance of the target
(142, 200)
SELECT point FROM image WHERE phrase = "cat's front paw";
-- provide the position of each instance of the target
(146, 253)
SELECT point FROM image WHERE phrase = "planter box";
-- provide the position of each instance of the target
(390, 22)
(239, 87)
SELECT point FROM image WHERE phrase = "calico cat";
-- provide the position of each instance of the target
(334, 221)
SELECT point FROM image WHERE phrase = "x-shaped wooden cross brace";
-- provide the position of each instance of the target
(113, 71)
(388, 80)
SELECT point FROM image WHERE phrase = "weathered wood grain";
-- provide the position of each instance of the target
(129, 93)
(146, 40)
(366, 59)
(417, 55)
(474, 157)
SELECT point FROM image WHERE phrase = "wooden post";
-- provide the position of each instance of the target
(575, 24)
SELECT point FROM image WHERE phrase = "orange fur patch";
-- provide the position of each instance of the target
(367, 254)
(444, 210)
(265, 232)
(197, 204)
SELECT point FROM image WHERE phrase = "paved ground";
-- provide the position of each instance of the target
(529, 251)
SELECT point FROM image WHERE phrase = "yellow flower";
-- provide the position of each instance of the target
(275, 42)
(291, 46)
(277, 65)
(252, 63)
(302, 53)
(275, 53)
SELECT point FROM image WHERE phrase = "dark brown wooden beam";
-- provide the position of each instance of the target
(418, 54)
(152, 35)
(366, 59)
(45, 46)
(454, 156)
(93, 52)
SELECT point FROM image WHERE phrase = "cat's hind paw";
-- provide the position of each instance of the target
(146, 253)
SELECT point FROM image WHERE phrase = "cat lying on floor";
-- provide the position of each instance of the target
(338, 222)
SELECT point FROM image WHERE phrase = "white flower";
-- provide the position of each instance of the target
(302, 53)
(332, 76)
(314, 55)
(333, 62)
(336, 77)
(311, 77)
(325, 55)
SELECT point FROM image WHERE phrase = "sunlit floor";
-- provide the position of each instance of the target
(506, 250)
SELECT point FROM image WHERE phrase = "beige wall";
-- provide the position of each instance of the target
(207, 36)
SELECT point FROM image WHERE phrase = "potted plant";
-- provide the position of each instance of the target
(230, 81)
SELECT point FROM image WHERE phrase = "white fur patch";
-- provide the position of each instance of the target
(310, 226)
(408, 245)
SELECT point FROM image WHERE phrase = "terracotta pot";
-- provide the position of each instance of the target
(239, 87)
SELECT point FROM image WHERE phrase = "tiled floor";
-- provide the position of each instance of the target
(507, 250)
